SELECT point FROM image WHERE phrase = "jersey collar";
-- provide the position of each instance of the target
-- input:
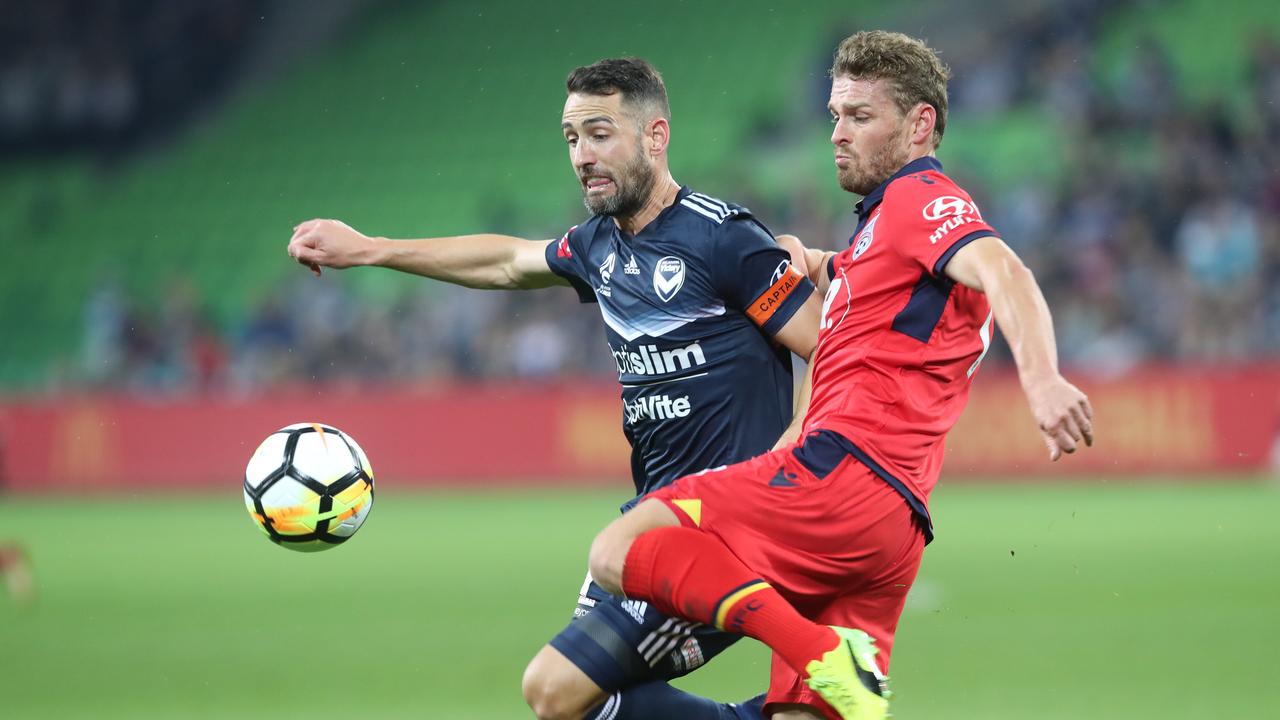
(685, 191)
(874, 197)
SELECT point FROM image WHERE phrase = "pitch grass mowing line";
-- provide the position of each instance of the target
(1061, 601)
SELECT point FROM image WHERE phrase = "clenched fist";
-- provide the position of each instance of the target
(332, 244)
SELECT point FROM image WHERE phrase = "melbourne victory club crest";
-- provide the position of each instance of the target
(864, 238)
(668, 277)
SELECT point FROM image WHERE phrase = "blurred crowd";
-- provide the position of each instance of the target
(1159, 242)
(99, 74)
(316, 330)
(1162, 241)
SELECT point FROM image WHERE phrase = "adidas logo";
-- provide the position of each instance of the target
(783, 479)
(635, 608)
(631, 268)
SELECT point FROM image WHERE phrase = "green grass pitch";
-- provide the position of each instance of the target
(1102, 600)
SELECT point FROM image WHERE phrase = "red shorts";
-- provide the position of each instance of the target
(827, 533)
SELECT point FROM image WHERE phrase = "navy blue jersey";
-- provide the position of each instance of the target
(690, 305)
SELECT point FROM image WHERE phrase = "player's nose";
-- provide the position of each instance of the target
(838, 135)
(582, 156)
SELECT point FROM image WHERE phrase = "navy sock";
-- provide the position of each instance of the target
(660, 700)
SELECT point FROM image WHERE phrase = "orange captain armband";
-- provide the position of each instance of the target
(763, 307)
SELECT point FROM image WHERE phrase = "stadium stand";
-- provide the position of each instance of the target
(1138, 178)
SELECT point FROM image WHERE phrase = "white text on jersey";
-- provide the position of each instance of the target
(649, 360)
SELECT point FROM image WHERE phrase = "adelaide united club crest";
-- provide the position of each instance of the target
(864, 238)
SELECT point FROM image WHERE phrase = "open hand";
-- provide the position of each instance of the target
(1063, 413)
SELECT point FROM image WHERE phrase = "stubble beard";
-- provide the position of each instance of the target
(634, 181)
(861, 179)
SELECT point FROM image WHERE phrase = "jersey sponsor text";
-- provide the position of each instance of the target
(649, 360)
(657, 407)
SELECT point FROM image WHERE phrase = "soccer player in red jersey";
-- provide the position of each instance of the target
(811, 548)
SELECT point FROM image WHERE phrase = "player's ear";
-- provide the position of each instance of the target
(657, 134)
(924, 118)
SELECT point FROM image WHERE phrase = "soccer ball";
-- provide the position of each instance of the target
(309, 487)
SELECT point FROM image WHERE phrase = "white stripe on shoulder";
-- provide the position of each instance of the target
(710, 206)
(702, 211)
(711, 202)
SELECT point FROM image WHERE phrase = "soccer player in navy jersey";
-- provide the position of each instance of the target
(812, 548)
(702, 310)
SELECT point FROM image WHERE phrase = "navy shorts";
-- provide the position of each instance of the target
(619, 643)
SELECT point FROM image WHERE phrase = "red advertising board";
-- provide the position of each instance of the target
(1157, 421)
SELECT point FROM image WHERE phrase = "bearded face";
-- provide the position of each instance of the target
(606, 149)
(862, 174)
(870, 133)
(617, 192)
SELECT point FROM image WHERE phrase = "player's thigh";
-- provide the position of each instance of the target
(618, 643)
(811, 519)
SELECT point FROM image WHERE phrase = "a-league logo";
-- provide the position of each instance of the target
(606, 267)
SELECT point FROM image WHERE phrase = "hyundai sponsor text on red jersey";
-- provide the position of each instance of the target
(899, 340)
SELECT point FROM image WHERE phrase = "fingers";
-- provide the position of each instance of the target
(300, 250)
(1070, 427)
(303, 228)
(1080, 419)
(1062, 436)
(795, 249)
(305, 257)
(1054, 451)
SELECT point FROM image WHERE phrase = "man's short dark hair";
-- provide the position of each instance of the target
(640, 84)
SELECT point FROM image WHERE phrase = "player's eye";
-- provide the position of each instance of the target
(572, 141)
(600, 137)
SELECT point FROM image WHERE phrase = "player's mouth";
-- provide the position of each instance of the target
(843, 161)
(596, 182)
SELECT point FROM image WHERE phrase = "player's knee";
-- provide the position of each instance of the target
(549, 693)
(608, 553)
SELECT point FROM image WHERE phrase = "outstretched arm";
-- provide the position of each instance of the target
(1063, 412)
(478, 261)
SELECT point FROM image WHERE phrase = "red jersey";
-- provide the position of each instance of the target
(899, 340)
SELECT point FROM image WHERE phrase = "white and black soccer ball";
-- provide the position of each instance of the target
(309, 487)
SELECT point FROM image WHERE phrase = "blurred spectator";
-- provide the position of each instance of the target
(1159, 239)
(99, 74)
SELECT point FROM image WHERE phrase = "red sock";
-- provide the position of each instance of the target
(691, 574)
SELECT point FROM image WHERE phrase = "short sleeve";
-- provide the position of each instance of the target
(755, 276)
(931, 219)
(565, 258)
